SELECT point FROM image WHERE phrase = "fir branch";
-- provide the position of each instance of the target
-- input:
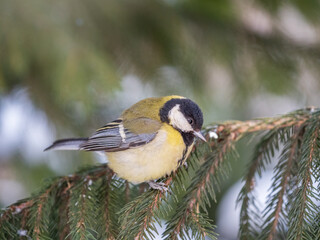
(62, 205)
(138, 216)
(283, 172)
(39, 213)
(198, 193)
(82, 211)
(13, 219)
(246, 195)
(37, 208)
(110, 194)
(314, 226)
(264, 152)
(304, 208)
(20, 206)
(238, 128)
(227, 134)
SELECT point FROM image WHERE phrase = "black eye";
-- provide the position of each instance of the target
(190, 121)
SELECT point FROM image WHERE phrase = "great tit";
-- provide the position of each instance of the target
(151, 139)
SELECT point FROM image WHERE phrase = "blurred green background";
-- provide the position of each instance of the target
(68, 67)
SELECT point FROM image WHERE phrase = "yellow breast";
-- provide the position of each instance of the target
(151, 161)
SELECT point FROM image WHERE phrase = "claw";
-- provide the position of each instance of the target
(158, 186)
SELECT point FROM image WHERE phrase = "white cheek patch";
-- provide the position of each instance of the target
(178, 120)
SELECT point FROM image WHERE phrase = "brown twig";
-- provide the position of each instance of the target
(63, 217)
(106, 212)
(235, 129)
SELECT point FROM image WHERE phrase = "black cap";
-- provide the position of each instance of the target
(187, 107)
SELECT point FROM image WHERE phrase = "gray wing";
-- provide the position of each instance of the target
(115, 137)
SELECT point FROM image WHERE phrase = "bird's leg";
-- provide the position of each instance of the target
(158, 186)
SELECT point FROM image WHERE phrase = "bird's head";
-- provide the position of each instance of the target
(184, 115)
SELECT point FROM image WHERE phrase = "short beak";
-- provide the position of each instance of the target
(199, 135)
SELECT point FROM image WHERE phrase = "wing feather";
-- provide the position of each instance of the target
(117, 137)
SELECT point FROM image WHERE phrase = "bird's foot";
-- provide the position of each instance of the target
(158, 186)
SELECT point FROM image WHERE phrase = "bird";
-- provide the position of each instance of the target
(150, 140)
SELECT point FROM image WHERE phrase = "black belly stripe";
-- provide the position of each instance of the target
(187, 138)
(183, 159)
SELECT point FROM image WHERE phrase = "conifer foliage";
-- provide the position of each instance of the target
(95, 204)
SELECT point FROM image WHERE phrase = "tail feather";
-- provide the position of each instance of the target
(67, 144)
